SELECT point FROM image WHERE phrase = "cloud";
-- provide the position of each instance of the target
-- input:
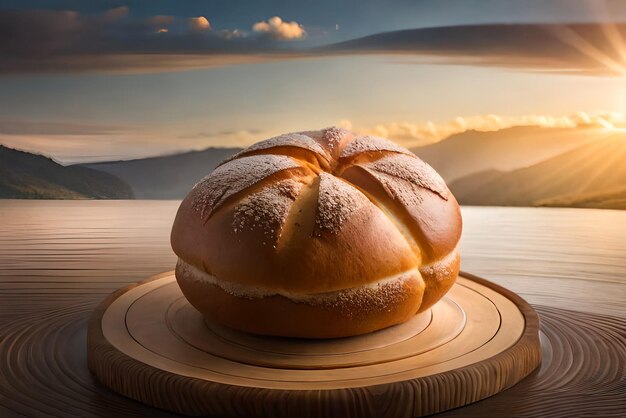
(70, 142)
(276, 28)
(116, 13)
(214, 134)
(80, 148)
(584, 48)
(30, 127)
(199, 23)
(133, 63)
(160, 20)
(241, 138)
(232, 33)
(46, 41)
(67, 42)
(417, 134)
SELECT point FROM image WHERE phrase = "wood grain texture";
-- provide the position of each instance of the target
(582, 373)
(60, 259)
(135, 344)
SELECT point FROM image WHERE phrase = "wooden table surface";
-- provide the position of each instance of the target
(59, 259)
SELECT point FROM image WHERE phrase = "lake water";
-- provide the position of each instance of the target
(569, 258)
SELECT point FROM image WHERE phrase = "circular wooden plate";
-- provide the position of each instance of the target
(146, 342)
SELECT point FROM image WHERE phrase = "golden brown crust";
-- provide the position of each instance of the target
(439, 278)
(367, 247)
(433, 222)
(316, 212)
(353, 312)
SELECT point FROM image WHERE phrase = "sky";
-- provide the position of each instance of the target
(103, 80)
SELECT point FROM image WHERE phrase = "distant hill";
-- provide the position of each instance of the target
(172, 176)
(507, 149)
(30, 176)
(166, 177)
(520, 166)
(466, 186)
(591, 175)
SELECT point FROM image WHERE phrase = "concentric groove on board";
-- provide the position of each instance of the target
(419, 334)
(146, 339)
(499, 337)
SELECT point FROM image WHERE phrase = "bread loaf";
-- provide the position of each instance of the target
(317, 234)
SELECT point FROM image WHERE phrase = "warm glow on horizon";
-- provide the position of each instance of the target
(419, 134)
(615, 128)
(77, 143)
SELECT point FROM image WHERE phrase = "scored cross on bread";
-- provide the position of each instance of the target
(351, 229)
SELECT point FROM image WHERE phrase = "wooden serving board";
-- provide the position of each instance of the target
(146, 342)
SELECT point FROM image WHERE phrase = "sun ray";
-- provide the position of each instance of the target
(614, 36)
(609, 28)
(570, 37)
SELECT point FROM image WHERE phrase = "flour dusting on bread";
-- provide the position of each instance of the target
(267, 210)
(391, 170)
(336, 202)
(234, 177)
(368, 143)
(294, 139)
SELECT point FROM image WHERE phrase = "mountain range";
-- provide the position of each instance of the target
(519, 166)
(591, 175)
(166, 177)
(31, 176)
(506, 149)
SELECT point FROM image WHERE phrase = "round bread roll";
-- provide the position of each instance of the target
(317, 234)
